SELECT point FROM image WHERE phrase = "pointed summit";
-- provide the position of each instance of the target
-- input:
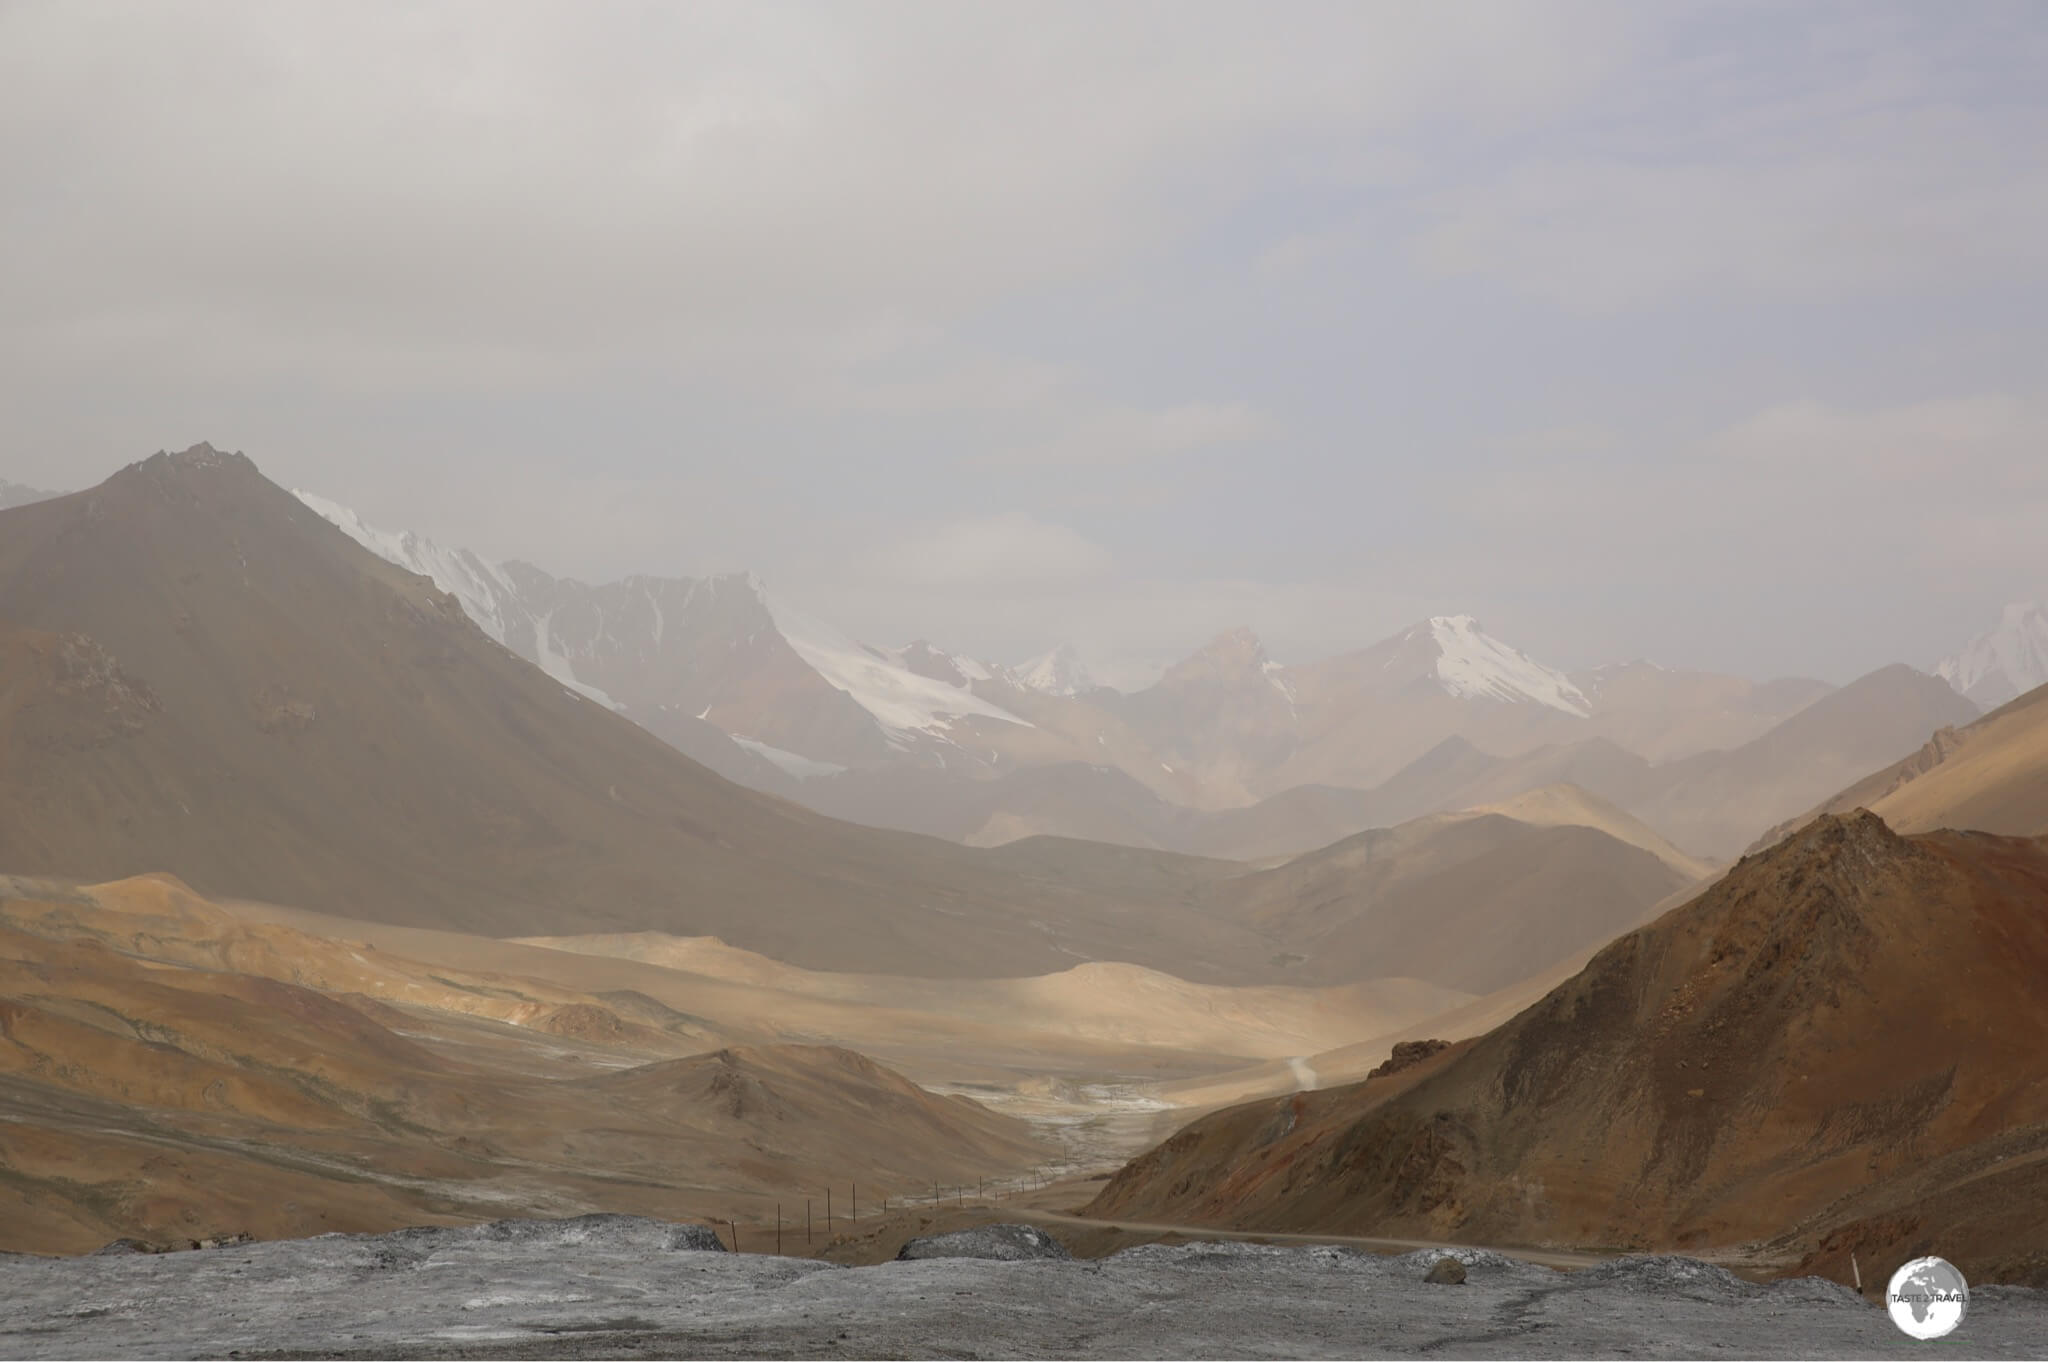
(1473, 665)
(199, 474)
(1231, 654)
(1058, 672)
(202, 457)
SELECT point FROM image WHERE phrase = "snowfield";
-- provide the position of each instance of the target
(1474, 665)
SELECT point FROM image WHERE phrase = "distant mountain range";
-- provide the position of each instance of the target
(203, 676)
(1228, 753)
(14, 494)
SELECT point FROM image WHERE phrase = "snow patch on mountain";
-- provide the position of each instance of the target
(969, 668)
(939, 665)
(1276, 675)
(2005, 663)
(793, 763)
(1474, 665)
(552, 660)
(899, 698)
(1057, 672)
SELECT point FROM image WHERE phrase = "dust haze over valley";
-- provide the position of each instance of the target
(1021, 632)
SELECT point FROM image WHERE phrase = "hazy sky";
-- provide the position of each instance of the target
(1712, 334)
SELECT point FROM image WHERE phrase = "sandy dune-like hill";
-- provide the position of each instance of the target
(1568, 806)
(1836, 1048)
(1101, 1001)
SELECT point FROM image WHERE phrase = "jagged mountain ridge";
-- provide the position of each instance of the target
(924, 739)
(1250, 728)
(793, 689)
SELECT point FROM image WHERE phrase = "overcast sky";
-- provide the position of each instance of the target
(1714, 335)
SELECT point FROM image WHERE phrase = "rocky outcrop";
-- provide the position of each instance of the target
(1005, 1243)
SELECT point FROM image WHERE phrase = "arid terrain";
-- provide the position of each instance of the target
(1042, 680)
(414, 1073)
(556, 967)
(1836, 1048)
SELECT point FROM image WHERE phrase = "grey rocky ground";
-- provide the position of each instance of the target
(1004, 1243)
(620, 1287)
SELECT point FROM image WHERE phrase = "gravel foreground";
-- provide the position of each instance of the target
(618, 1286)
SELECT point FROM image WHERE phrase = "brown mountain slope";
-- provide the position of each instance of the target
(1840, 1044)
(157, 919)
(1991, 775)
(269, 711)
(1472, 901)
(144, 1098)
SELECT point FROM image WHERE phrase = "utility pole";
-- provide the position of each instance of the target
(778, 1229)
(855, 1217)
(828, 1211)
(807, 1220)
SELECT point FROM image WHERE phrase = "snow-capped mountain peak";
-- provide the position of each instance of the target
(1058, 672)
(1472, 664)
(901, 700)
(2005, 663)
